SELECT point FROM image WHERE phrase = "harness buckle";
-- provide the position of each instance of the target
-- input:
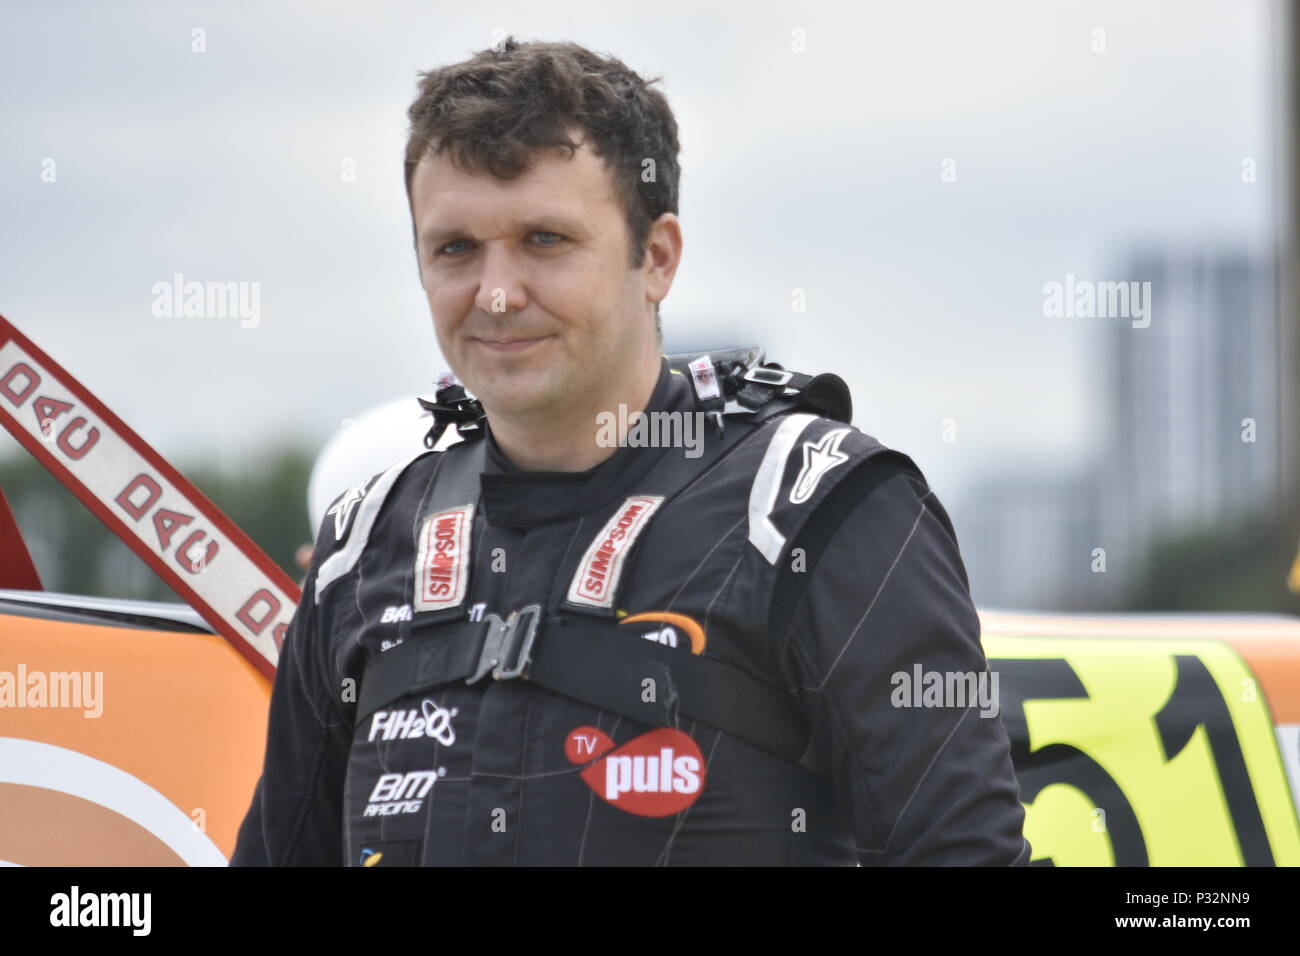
(768, 376)
(513, 646)
(506, 652)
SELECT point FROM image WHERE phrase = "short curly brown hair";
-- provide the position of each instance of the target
(494, 110)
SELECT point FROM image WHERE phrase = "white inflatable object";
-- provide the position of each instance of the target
(365, 446)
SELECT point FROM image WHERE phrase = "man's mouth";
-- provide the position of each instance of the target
(511, 345)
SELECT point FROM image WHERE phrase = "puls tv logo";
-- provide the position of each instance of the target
(655, 775)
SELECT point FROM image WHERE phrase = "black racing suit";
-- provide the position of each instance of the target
(806, 558)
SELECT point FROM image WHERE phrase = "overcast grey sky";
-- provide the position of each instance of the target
(818, 170)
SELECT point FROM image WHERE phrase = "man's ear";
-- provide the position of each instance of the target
(415, 245)
(663, 254)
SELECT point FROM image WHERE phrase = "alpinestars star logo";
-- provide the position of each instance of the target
(655, 775)
(818, 459)
(343, 508)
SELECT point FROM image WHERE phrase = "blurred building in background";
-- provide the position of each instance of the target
(1190, 449)
(1196, 396)
(1027, 540)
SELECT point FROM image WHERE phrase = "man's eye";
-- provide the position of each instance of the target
(549, 239)
(445, 248)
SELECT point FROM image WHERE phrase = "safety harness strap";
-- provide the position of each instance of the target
(597, 663)
(671, 474)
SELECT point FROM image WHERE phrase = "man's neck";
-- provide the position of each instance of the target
(569, 443)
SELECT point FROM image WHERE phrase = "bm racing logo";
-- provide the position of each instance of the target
(398, 793)
(655, 775)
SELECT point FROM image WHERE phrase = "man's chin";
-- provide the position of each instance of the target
(518, 393)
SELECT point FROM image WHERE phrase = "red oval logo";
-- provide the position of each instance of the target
(655, 775)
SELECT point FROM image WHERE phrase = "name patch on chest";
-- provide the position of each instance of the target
(442, 559)
(596, 582)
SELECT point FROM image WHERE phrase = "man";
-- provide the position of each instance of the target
(543, 645)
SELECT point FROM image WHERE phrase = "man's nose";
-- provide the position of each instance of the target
(501, 284)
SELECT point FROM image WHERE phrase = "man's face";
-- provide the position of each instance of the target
(534, 304)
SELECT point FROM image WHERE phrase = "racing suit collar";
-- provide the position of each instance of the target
(524, 499)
